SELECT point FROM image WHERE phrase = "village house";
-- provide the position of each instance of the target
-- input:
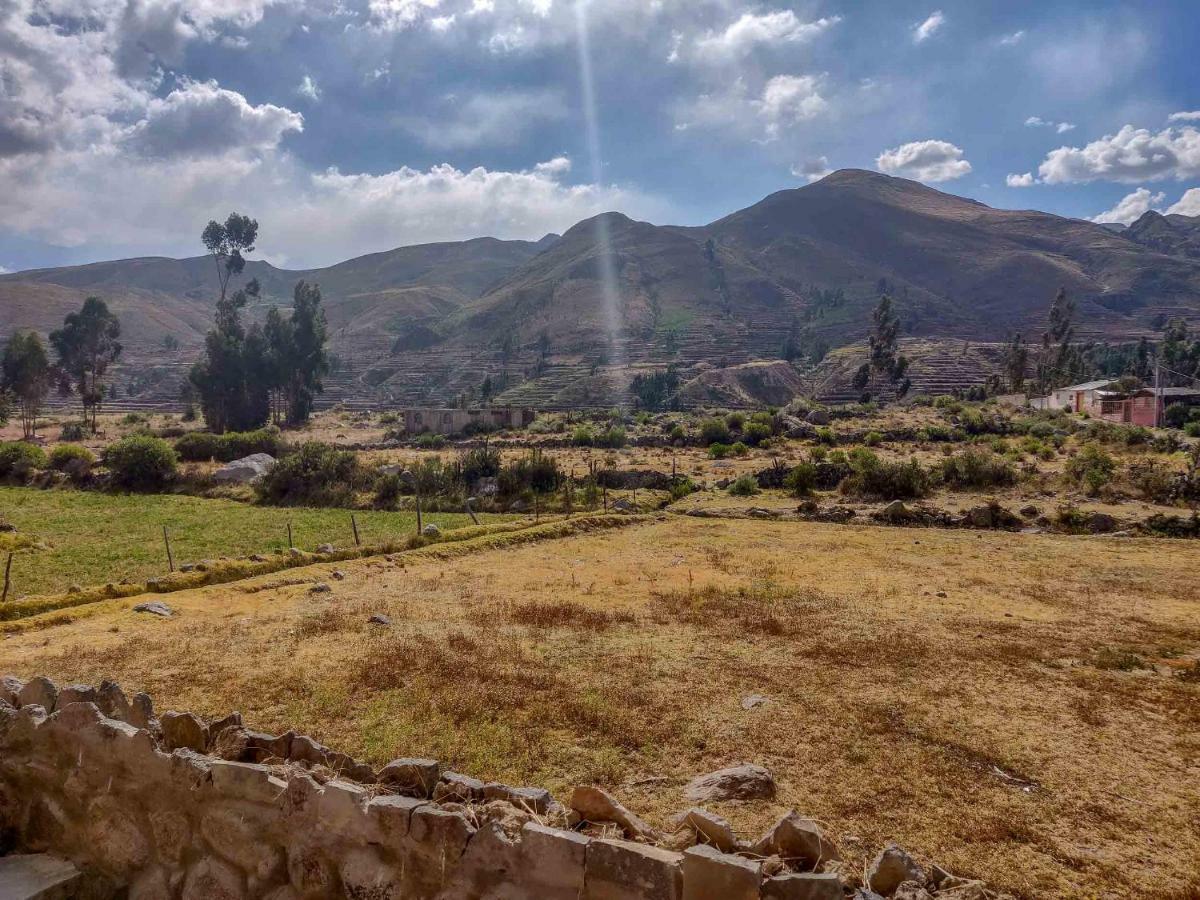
(1141, 406)
(1076, 398)
(456, 421)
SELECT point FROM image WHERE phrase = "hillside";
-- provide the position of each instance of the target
(427, 324)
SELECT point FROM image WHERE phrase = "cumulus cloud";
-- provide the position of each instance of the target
(1020, 181)
(753, 29)
(788, 99)
(397, 15)
(931, 161)
(202, 119)
(1188, 205)
(1130, 155)
(784, 102)
(1184, 117)
(1131, 207)
(923, 31)
(812, 169)
(498, 119)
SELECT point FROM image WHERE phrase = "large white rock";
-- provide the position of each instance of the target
(246, 470)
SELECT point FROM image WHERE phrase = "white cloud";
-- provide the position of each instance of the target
(1021, 181)
(397, 15)
(931, 161)
(1184, 117)
(309, 88)
(752, 29)
(1188, 205)
(1011, 40)
(1039, 122)
(923, 31)
(202, 119)
(812, 169)
(495, 119)
(1131, 207)
(4, 270)
(442, 23)
(785, 101)
(788, 99)
(1130, 155)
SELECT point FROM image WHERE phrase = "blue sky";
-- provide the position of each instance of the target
(350, 126)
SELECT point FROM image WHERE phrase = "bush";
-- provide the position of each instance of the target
(975, 468)
(198, 446)
(718, 451)
(714, 431)
(18, 459)
(316, 474)
(1192, 429)
(201, 446)
(388, 489)
(430, 441)
(756, 432)
(801, 480)
(583, 436)
(73, 459)
(536, 472)
(873, 439)
(738, 449)
(744, 486)
(1176, 415)
(681, 487)
(72, 431)
(883, 480)
(677, 435)
(735, 421)
(613, 438)
(826, 436)
(1092, 468)
(141, 462)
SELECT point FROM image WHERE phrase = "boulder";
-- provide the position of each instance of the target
(39, 691)
(379, 619)
(911, 890)
(817, 417)
(10, 689)
(246, 470)
(595, 805)
(710, 828)
(891, 868)
(896, 513)
(431, 530)
(456, 786)
(416, 777)
(1101, 523)
(744, 782)
(326, 548)
(155, 608)
(796, 838)
(183, 729)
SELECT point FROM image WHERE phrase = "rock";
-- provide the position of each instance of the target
(623, 505)
(896, 513)
(710, 828)
(155, 608)
(709, 874)
(295, 552)
(431, 530)
(77, 693)
(326, 548)
(256, 558)
(246, 470)
(75, 589)
(39, 691)
(487, 487)
(1101, 523)
(379, 619)
(817, 417)
(891, 868)
(744, 782)
(10, 689)
(183, 729)
(802, 886)
(795, 838)
(754, 700)
(416, 777)
(911, 890)
(1030, 511)
(595, 805)
(337, 575)
(527, 799)
(456, 786)
(320, 588)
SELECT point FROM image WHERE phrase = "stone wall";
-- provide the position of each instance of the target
(171, 806)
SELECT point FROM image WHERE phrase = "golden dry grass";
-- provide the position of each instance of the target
(975, 696)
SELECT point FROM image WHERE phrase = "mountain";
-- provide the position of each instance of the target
(803, 267)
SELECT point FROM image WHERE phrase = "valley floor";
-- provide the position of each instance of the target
(1023, 708)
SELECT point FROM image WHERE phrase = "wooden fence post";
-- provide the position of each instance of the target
(7, 569)
(170, 557)
(290, 544)
(354, 525)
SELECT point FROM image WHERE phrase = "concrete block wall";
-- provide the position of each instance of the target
(94, 777)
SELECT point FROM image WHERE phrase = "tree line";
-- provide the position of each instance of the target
(245, 377)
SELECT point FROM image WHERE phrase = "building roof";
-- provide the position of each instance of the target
(1089, 385)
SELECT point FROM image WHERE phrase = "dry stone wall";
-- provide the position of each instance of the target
(171, 806)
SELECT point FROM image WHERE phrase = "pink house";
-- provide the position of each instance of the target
(1138, 407)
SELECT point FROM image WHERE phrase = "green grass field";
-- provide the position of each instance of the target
(86, 538)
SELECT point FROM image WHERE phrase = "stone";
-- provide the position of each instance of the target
(456, 786)
(1101, 523)
(622, 870)
(802, 886)
(1030, 511)
(246, 781)
(891, 868)
(113, 702)
(10, 689)
(326, 548)
(141, 710)
(320, 588)
(337, 575)
(172, 833)
(212, 879)
(150, 884)
(116, 841)
(709, 874)
(911, 890)
(431, 530)
(744, 782)
(896, 513)
(392, 815)
(534, 800)
(155, 608)
(39, 691)
(416, 777)
(442, 833)
(754, 700)
(795, 838)
(379, 619)
(183, 729)
(817, 417)
(38, 875)
(596, 805)
(364, 875)
(246, 470)
(236, 830)
(710, 828)
(553, 862)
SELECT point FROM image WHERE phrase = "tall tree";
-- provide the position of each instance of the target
(230, 378)
(884, 359)
(1059, 362)
(308, 361)
(1016, 358)
(25, 374)
(86, 346)
(227, 242)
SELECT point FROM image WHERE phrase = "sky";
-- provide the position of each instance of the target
(352, 126)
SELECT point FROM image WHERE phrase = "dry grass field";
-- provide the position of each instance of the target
(1023, 708)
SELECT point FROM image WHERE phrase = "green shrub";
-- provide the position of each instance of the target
(430, 441)
(141, 462)
(677, 435)
(1176, 415)
(735, 421)
(201, 446)
(873, 439)
(1192, 429)
(535, 472)
(681, 487)
(18, 459)
(977, 468)
(583, 436)
(880, 479)
(714, 431)
(801, 480)
(388, 490)
(718, 451)
(744, 486)
(756, 432)
(826, 436)
(1091, 468)
(198, 446)
(74, 459)
(613, 437)
(316, 474)
(72, 431)
(737, 448)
